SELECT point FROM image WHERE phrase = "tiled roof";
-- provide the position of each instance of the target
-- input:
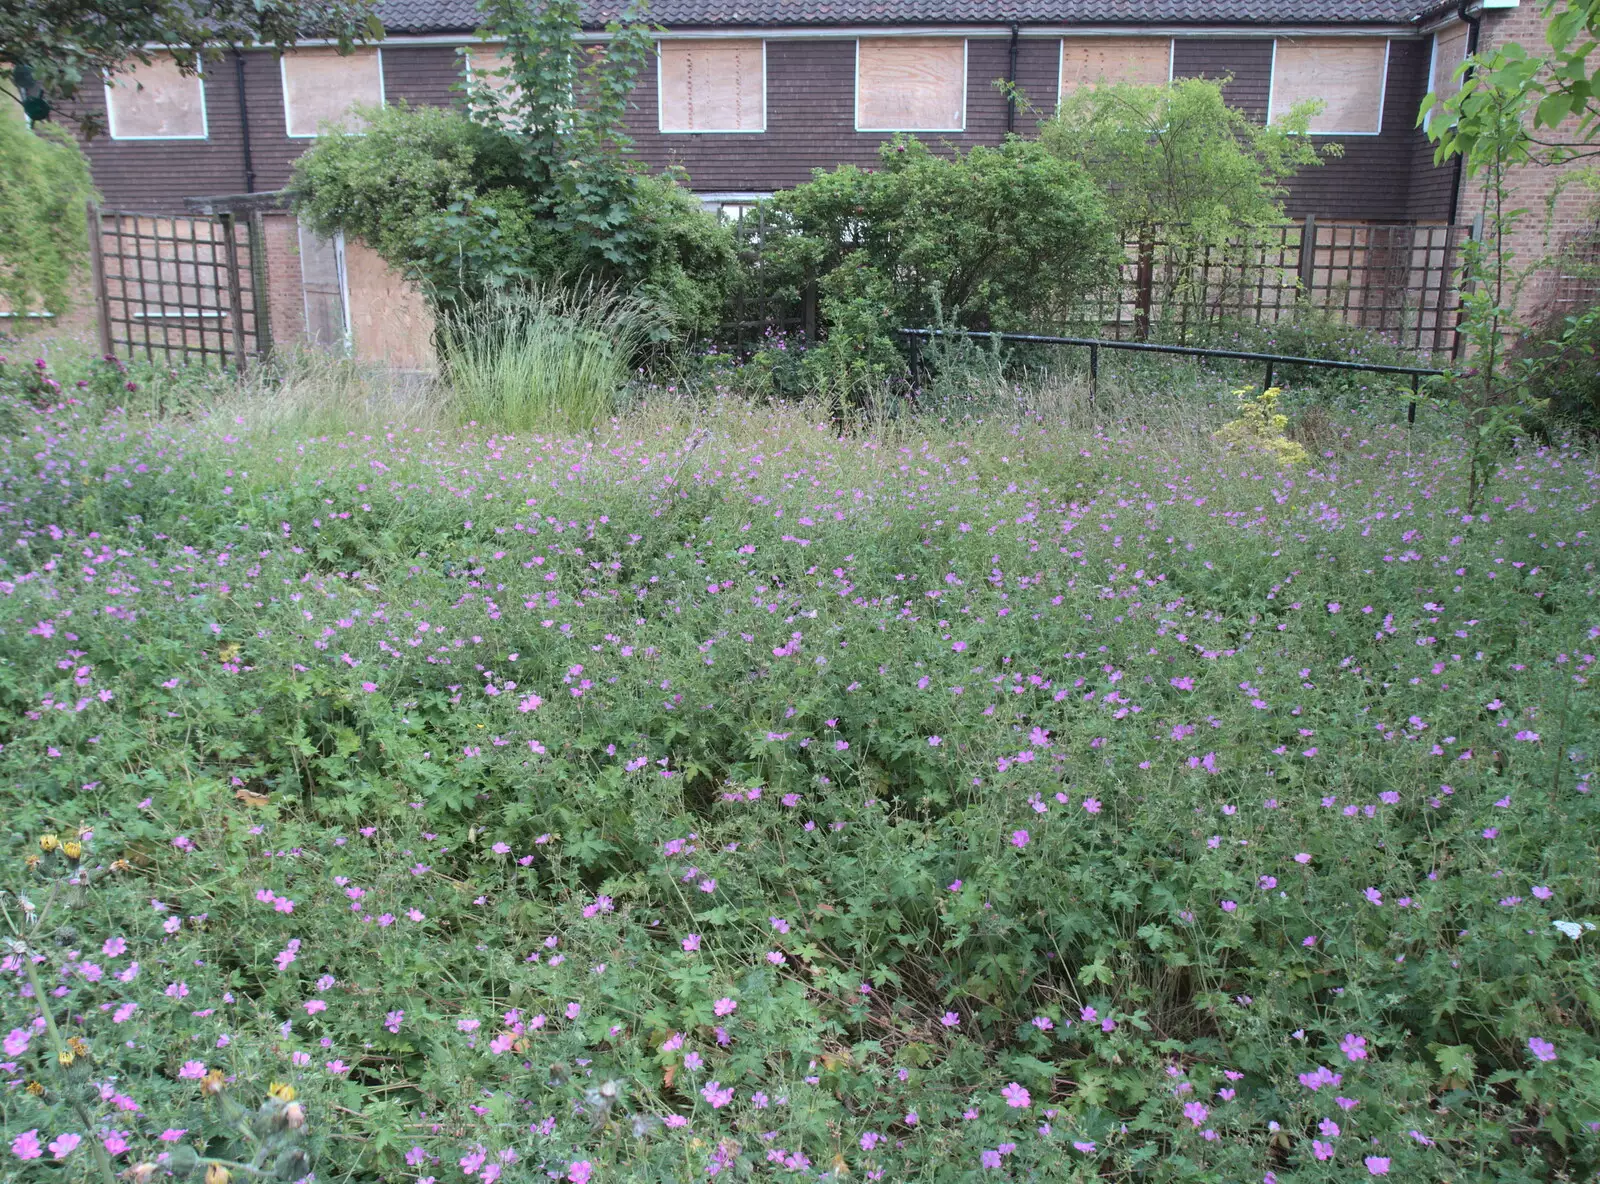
(460, 16)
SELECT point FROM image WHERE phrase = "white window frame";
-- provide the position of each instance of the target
(347, 345)
(710, 131)
(1383, 89)
(966, 46)
(205, 119)
(283, 83)
(1433, 67)
(1061, 53)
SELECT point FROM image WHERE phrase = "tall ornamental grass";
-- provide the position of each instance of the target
(541, 357)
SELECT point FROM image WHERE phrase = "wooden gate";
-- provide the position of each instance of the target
(181, 287)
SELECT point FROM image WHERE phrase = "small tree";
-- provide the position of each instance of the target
(1179, 165)
(995, 238)
(1178, 155)
(1516, 109)
(534, 180)
(44, 187)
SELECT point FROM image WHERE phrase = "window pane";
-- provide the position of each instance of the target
(911, 84)
(156, 102)
(713, 86)
(1346, 73)
(320, 86)
(1143, 61)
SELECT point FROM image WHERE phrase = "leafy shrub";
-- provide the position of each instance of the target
(1179, 157)
(950, 806)
(1559, 364)
(993, 238)
(1261, 428)
(44, 237)
(532, 183)
(541, 357)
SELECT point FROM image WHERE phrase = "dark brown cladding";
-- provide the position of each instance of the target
(811, 115)
(810, 125)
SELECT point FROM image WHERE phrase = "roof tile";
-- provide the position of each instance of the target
(461, 16)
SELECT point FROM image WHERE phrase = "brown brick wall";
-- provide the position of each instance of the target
(810, 125)
(284, 301)
(811, 115)
(1560, 209)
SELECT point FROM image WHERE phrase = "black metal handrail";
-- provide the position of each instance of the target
(1095, 344)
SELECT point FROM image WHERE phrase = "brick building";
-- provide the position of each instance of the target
(750, 96)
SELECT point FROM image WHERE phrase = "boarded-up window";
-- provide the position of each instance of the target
(1347, 73)
(322, 282)
(713, 86)
(1449, 51)
(484, 66)
(321, 85)
(1143, 61)
(911, 84)
(155, 101)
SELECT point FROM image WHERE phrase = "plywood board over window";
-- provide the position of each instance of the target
(484, 63)
(1347, 74)
(155, 101)
(320, 86)
(911, 84)
(713, 86)
(1449, 51)
(1142, 61)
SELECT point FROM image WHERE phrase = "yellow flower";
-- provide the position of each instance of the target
(48, 843)
(72, 849)
(65, 1057)
(283, 1092)
(211, 1083)
(217, 1174)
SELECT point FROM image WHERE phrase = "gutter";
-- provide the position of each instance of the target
(1474, 26)
(1011, 81)
(244, 121)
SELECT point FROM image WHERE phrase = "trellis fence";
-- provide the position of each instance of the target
(179, 288)
(1400, 281)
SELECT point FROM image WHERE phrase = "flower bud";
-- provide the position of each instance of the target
(217, 1174)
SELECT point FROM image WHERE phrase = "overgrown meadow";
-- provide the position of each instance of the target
(972, 801)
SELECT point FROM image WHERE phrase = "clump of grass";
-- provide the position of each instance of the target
(541, 357)
(307, 392)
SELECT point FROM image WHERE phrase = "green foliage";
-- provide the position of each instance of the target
(1178, 156)
(1261, 427)
(44, 192)
(532, 183)
(534, 358)
(1558, 367)
(996, 238)
(663, 802)
(405, 182)
(1513, 98)
(59, 48)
